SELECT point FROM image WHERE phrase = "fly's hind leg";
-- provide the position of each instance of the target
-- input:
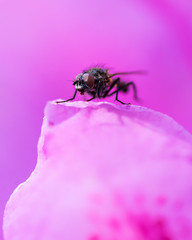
(69, 99)
(134, 89)
(115, 82)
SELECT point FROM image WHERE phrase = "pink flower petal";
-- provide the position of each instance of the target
(105, 172)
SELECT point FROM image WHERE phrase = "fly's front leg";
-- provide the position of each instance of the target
(69, 99)
(96, 93)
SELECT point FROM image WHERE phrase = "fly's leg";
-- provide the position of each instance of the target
(96, 93)
(91, 98)
(117, 91)
(125, 88)
(106, 94)
(134, 89)
(115, 82)
(98, 89)
(69, 99)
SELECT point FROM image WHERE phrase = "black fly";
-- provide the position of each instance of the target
(99, 83)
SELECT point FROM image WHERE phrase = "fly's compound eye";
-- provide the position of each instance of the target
(89, 79)
(77, 78)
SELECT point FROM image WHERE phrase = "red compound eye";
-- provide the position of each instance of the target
(89, 79)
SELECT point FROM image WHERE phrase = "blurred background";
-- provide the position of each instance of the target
(44, 44)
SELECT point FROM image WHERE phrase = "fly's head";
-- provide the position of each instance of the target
(84, 82)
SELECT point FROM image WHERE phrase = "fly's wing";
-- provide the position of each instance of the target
(127, 73)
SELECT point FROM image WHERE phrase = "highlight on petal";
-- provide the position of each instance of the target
(105, 172)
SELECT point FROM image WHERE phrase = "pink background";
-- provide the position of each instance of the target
(44, 44)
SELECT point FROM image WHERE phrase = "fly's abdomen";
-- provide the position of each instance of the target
(122, 86)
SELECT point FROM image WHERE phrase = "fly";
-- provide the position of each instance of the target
(99, 83)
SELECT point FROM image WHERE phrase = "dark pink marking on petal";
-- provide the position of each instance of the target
(114, 224)
(161, 200)
(94, 237)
